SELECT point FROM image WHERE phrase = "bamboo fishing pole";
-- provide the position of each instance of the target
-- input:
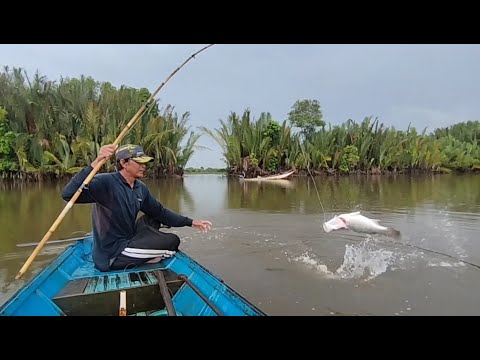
(117, 141)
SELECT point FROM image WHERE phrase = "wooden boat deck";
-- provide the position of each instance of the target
(71, 285)
(99, 295)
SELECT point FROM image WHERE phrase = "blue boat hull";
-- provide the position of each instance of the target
(71, 286)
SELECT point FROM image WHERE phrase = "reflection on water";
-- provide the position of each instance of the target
(268, 243)
(453, 193)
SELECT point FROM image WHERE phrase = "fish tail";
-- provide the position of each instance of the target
(393, 233)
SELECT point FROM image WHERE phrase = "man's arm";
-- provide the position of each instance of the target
(96, 190)
(71, 188)
(157, 211)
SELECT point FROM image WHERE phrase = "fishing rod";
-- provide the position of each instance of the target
(117, 141)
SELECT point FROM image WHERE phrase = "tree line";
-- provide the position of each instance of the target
(51, 129)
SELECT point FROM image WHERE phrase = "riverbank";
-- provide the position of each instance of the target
(13, 176)
(373, 171)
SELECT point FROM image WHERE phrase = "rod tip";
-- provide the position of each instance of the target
(18, 276)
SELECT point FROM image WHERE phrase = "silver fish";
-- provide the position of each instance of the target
(361, 224)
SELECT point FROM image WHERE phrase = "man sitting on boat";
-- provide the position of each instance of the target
(120, 241)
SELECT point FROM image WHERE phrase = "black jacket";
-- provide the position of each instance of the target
(115, 210)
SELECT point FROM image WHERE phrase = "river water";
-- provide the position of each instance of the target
(268, 243)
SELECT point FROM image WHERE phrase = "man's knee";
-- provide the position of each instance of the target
(175, 241)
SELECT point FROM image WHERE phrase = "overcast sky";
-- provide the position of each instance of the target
(426, 85)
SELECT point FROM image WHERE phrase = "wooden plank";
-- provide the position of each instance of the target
(74, 287)
(102, 283)
(123, 303)
(151, 277)
(92, 284)
(170, 276)
(167, 300)
(142, 298)
(134, 280)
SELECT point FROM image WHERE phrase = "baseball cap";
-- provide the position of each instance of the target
(134, 152)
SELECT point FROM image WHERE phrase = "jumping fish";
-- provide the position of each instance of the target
(361, 224)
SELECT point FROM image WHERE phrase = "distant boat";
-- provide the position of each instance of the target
(179, 286)
(271, 177)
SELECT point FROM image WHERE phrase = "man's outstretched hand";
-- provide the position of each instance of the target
(202, 225)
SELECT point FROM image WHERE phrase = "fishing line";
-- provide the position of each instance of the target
(389, 242)
(314, 183)
(439, 253)
(433, 251)
(394, 241)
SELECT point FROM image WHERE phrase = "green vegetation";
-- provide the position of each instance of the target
(252, 148)
(52, 129)
(306, 115)
(202, 170)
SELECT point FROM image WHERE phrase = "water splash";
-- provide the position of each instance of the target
(360, 261)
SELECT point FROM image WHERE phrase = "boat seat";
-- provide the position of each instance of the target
(99, 295)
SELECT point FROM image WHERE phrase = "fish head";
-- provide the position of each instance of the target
(334, 224)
